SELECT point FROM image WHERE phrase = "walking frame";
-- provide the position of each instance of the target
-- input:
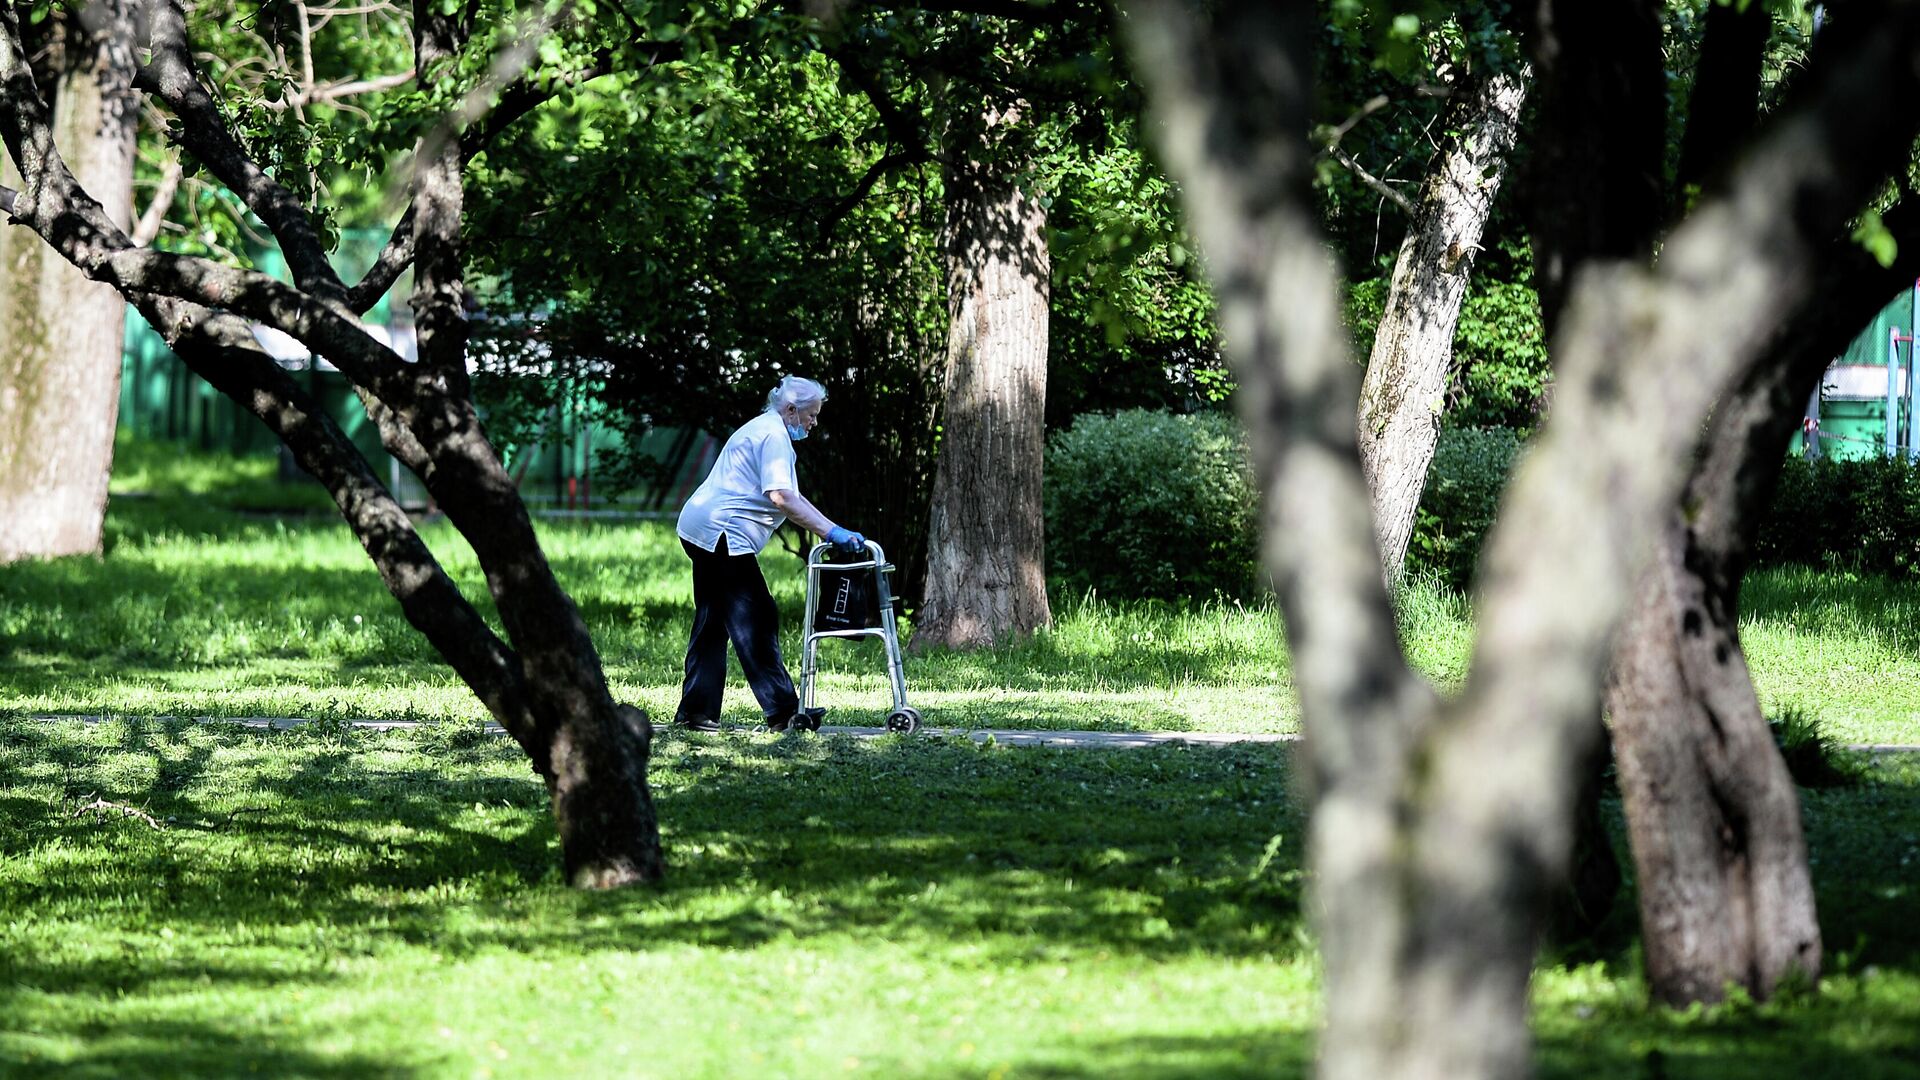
(904, 718)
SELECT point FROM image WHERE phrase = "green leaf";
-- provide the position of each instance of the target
(1872, 233)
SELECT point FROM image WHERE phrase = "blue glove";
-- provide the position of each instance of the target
(847, 540)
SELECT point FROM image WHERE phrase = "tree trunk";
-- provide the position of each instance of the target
(1721, 863)
(1403, 394)
(1439, 831)
(986, 547)
(1725, 893)
(1726, 896)
(60, 334)
(596, 752)
(548, 689)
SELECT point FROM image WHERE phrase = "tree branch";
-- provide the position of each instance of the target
(340, 90)
(1384, 189)
(519, 98)
(73, 224)
(905, 130)
(221, 350)
(1726, 92)
(439, 317)
(155, 215)
(387, 267)
(103, 807)
(831, 218)
(1596, 189)
(170, 77)
(56, 207)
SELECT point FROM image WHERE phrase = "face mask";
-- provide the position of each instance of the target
(796, 433)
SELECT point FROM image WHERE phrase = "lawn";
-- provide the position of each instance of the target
(208, 606)
(349, 903)
(339, 902)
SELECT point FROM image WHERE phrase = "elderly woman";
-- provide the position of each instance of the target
(750, 491)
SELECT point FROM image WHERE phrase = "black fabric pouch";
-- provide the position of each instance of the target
(848, 600)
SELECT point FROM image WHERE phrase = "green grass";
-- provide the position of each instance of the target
(206, 604)
(327, 903)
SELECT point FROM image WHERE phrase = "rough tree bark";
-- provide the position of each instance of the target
(1403, 393)
(547, 686)
(1725, 892)
(1724, 889)
(986, 544)
(60, 334)
(1438, 829)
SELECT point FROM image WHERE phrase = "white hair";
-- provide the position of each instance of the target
(796, 391)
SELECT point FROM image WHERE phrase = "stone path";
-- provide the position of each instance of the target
(1107, 740)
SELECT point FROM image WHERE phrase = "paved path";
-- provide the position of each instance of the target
(1109, 740)
(1097, 740)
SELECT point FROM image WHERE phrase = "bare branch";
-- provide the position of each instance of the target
(170, 77)
(1367, 108)
(336, 91)
(1380, 186)
(307, 82)
(103, 808)
(161, 203)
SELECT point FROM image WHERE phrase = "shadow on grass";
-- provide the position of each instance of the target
(1241, 1056)
(1156, 853)
(141, 1048)
(1655, 1045)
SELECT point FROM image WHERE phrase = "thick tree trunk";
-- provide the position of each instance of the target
(986, 545)
(1438, 832)
(1403, 394)
(1726, 895)
(1725, 892)
(1720, 860)
(596, 751)
(61, 334)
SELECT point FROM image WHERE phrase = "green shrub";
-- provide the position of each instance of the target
(1859, 515)
(1807, 750)
(1470, 466)
(1147, 505)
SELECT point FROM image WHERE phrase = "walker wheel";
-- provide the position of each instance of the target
(904, 720)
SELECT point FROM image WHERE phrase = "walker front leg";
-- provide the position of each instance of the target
(809, 645)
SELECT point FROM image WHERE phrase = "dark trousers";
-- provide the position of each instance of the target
(731, 602)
